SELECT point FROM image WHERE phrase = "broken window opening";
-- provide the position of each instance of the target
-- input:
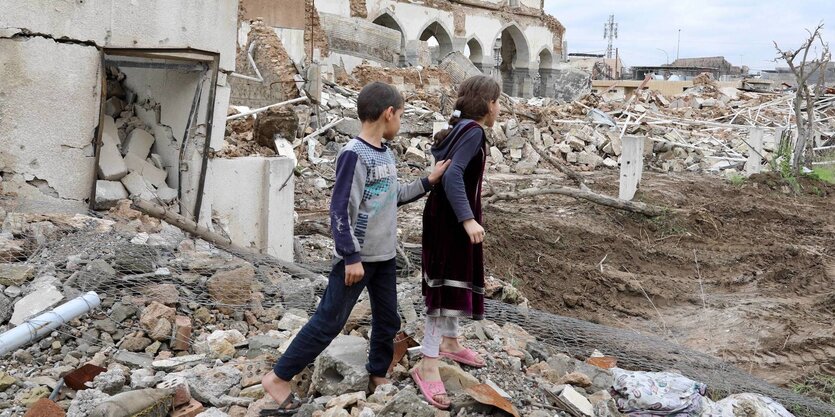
(155, 127)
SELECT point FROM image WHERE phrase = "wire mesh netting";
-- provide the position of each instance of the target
(140, 260)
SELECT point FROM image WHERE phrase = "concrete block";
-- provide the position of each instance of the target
(111, 165)
(110, 133)
(147, 170)
(108, 193)
(35, 303)
(166, 194)
(139, 143)
(113, 107)
(137, 186)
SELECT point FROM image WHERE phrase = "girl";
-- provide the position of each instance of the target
(453, 265)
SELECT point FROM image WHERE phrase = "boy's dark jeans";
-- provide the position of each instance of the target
(333, 311)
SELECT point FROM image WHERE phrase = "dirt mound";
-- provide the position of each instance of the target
(747, 275)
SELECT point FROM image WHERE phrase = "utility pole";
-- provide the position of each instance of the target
(610, 32)
(678, 46)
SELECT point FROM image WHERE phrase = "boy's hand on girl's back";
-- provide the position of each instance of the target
(474, 231)
(353, 274)
(438, 172)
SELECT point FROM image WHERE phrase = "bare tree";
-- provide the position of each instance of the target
(803, 71)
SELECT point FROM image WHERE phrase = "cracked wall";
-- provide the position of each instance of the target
(48, 114)
(50, 53)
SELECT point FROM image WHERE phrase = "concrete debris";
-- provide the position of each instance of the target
(35, 303)
(109, 193)
(341, 367)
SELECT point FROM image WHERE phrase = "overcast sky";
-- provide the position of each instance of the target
(741, 31)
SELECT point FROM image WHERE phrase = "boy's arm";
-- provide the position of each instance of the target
(453, 180)
(407, 193)
(347, 192)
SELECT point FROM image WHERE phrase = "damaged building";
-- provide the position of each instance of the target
(514, 40)
(111, 99)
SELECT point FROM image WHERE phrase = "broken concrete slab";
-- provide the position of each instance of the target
(113, 107)
(149, 172)
(15, 274)
(136, 360)
(166, 194)
(138, 144)
(208, 385)
(137, 186)
(111, 165)
(341, 367)
(35, 303)
(349, 127)
(109, 193)
(149, 401)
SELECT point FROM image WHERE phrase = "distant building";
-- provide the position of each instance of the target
(667, 72)
(719, 63)
(784, 75)
(600, 67)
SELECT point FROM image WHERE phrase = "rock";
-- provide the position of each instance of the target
(164, 293)
(346, 400)
(496, 155)
(562, 364)
(610, 163)
(415, 155)
(601, 379)
(604, 405)
(105, 325)
(113, 107)
(35, 303)
(231, 288)
(6, 381)
(135, 360)
(511, 128)
(360, 315)
(144, 402)
(220, 343)
(407, 403)
(213, 412)
(10, 249)
(157, 319)
(208, 385)
(136, 343)
(341, 367)
(94, 275)
(575, 144)
(271, 340)
(32, 396)
(138, 144)
(349, 127)
(575, 378)
(110, 382)
(5, 308)
(171, 364)
(256, 392)
(276, 122)
(13, 291)
(455, 378)
(15, 274)
(45, 408)
(590, 159)
(291, 322)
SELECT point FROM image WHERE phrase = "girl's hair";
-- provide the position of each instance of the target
(474, 97)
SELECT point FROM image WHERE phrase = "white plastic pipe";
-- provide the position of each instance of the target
(37, 327)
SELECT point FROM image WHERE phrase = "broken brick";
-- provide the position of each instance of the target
(192, 409)
(182, 333)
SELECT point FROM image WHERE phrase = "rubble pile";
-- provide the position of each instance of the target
(128, 166)
(186, 327)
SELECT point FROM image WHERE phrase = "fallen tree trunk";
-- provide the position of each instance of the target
(562, 168)
(222, 242)
(633, 206)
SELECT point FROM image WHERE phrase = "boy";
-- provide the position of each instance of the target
(364, 225)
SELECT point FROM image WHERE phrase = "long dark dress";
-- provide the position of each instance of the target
(453, 268)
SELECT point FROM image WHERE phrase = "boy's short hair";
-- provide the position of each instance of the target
(375, 98)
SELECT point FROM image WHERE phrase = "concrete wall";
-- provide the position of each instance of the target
(199, 24)
(48, 114)
(243, 199)
(361, 38)
(49, 108)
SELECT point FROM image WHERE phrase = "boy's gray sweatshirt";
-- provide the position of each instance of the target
(365, 200)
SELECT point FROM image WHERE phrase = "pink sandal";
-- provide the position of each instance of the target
(465, 356)
(430, 389)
